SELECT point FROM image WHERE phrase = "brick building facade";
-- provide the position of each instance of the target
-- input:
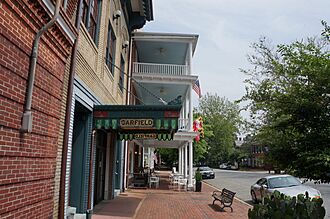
(28, 159)
(48, 169)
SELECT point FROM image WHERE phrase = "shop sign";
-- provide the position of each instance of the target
(145, 136)
(136, 123)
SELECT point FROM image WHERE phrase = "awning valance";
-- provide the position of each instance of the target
(138, 121)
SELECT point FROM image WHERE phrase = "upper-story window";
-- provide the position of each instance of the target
(110, 50)
(122, 73)
(90, 17)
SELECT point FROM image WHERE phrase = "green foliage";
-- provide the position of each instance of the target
(221, 123)
(289, 97)
(169, 156)
(198, 176)
(279, 206)
(201, 147)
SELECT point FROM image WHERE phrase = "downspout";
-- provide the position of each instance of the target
(27, 115)
(68, 114)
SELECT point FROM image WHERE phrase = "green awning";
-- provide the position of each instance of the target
(138, 121)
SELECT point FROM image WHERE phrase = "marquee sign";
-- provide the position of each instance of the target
(138, 121)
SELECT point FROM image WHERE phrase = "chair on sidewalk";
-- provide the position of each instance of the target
(154, 180)
(174, 182)
(182, 184)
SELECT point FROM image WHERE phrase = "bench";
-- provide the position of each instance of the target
(225, 197)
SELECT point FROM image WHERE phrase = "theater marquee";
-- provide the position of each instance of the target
(138, 121)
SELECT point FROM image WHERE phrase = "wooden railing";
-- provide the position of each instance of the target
(151, 68)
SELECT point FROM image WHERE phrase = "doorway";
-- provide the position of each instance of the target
(100, 166)
(80, 158)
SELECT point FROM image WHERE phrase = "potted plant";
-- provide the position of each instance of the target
(198, 178)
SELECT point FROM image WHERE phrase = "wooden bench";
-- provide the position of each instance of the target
(225, 197)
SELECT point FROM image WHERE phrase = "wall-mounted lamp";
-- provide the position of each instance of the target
(116, 14)
(125, 44)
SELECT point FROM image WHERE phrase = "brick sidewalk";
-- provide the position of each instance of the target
(167, 204)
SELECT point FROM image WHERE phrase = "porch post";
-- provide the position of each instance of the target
(180, 156)
(185, 161)
(190, 184)
(182, 166)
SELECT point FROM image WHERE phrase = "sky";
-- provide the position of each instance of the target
(227, 28)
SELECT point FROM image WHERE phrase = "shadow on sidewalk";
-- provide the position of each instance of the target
(123, 206)
(165, 203)
(216, 207)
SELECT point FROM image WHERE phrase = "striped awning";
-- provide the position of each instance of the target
(138, 121)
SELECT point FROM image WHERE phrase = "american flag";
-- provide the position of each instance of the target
(197, 88)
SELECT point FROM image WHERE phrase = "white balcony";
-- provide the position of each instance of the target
(183, 124)
(165, 69)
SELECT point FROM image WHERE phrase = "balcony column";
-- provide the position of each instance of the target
(190, 53)
(181, 120)
(190, 108)
(185, 161)
(190, 183)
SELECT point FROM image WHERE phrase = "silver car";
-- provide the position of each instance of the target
(207, 172)
(287, 184)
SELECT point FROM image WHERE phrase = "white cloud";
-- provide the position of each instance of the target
(228, 27)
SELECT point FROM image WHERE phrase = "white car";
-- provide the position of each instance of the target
(223, 166)
(286, 184)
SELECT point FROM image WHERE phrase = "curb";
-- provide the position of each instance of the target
(139, 206)
(238, 199)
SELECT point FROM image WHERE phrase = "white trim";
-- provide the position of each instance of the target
(82, 95)
(185, 161)
(85, 92)
(167, 37)
(190, 182)
(168, 79)
(180, 160)
(60, 21)
(68, 159)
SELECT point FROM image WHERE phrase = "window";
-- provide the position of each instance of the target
(110, 50)
(90, 16)
(262, 181)
(122, 74)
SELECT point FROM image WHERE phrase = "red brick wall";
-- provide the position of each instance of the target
(27, 160)
(71, 8)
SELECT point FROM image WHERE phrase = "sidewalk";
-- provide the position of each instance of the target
(163, 203)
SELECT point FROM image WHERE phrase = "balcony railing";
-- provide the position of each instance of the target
(183, 124)
(151, 68)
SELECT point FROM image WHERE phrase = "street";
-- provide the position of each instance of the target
(240, 182)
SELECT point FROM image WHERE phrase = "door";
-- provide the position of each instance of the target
(79, 159)
(100, 163)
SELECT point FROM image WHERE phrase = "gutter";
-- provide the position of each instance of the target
(27, 115)
(73, 62)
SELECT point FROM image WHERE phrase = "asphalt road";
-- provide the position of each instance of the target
(240, 182)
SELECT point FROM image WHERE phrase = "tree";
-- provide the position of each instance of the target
(169, 156)
(289, 93)
(221, 122)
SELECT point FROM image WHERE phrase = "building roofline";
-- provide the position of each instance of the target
(141, 35)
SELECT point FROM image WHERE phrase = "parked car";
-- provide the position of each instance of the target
(207, 172)
(232, 166)
(229, 166)
(286, 184)
(223, 166)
